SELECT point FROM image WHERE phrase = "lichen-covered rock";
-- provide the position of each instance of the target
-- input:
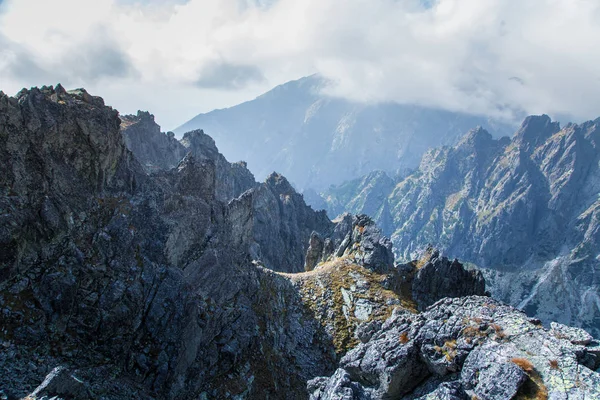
(572, 334)
(489, 373)
(490, 351)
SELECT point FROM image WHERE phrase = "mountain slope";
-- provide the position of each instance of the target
(316, 140)
(525, 208)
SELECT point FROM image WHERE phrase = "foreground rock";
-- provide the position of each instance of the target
(464, 348)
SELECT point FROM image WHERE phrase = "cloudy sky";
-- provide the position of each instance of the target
(177, 58)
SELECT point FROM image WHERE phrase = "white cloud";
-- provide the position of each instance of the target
(493, 57)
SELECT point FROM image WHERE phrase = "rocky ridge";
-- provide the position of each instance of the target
(154, 149)
(117, 273)
(523, 208)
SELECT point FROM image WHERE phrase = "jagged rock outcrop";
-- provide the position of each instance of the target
(463, 348)
(111, 272)
(355, 237)
(232, 179)
(273, 221)
(154, 149)
(437, 277)
(159, 151)
(316, 140)
(525, 209)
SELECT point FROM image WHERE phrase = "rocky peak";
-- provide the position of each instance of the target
(535, 130)
(199, 141)
(437, 277)
(155, 150)
(279, 184)
(354, 238)
(476, 138)
(75, 133)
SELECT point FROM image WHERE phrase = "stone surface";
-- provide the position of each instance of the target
(437, 277)
(150, 276)
(573, 335)
(462, 348)
(61, 383)
(154, 149)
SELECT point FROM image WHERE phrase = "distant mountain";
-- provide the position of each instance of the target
(316, 140)
(527, 209)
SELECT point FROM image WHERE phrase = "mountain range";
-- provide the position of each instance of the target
(525, 209)
(136, 265)
(316, 140)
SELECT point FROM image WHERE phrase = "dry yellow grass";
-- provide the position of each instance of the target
(523, 363)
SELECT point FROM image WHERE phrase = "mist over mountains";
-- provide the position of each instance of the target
(316, 140)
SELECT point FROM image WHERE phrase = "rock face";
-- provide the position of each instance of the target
(231, 179)
(316, 140)
(463, 348)
(436, 277)
(275, 223)
(525, 209)
(154, 149)
(159, 151)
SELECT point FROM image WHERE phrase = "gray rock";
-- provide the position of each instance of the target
(149, 275)
(314, 253)
(490, 351)
(61, 383)
(489, 373)
(572, 334)
(438, 278)
(365, 331)
(154, 149)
